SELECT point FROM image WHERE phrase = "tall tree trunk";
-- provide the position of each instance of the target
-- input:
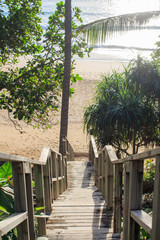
(67, 70)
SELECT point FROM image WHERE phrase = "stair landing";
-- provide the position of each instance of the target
(80, 212)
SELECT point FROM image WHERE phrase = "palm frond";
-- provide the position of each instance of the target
(98, 31)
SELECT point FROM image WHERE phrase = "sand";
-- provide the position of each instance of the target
(31, 142)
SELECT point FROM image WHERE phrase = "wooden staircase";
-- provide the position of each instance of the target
(80, 212)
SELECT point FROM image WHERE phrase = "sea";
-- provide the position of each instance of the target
(122, 46)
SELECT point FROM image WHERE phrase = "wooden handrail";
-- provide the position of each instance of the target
(49, 174)
(140, 156)
(11, 222)
(109, 167)
(93, 147)
(67, 150)
(93, 157)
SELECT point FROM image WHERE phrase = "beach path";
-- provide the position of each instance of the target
(80, 212)
(31, 142)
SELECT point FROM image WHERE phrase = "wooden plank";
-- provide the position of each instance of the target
(15, 158)
(126, 203)
(140, 156)
(11, 222)
(47, 187)
(135, 196)
(30, 205)
(156, 202)
(94, 147)
(81, 209)
(118, 198)
(143, 219)
(59, 178)
(20, 196)
(54, 179)
(46, 153)
(111, 153)
(108, 180)
(55, 175)
(40, 197)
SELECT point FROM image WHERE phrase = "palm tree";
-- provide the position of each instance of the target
(98, 31)
(67, 70)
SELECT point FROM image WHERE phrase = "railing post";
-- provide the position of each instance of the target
(135, 195)
(156, 202)
(47, 187)
(103, 172)
(118, 198)
(96, 171)
(134, 199)
(126, 201)
(99, 172)
(30, 203)
(20, 196)
(60, 174)
(108, 182)
(65, 172)
(91, 152)
(55, 175)
(40, 197)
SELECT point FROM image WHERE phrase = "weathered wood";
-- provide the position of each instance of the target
(118, 198)
(103, 174)
(40, 197)
(93, 153)
(30, 204)
(108, 180)
(100, 172)
(55, 175)
(20, 196)
(46, 175)
(60, 180)
(140, 156)
(111, 153)
(47, 188)
(65, 172)
(156, 202)
(135, 197)
(67, 148)
(11, 222)
(126, 203)
(80, 212)
(143, 219)
(14, 158)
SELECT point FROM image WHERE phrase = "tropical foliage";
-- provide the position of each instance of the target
(6, 190)
(100, 30)
(125, 111)
(32, 91)
(19, 28)
(6, 196)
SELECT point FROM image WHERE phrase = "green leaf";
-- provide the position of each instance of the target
(78, 78)
(6, 171)
(71, 92)
(6, 201)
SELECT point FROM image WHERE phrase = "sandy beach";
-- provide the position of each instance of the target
(31, 142)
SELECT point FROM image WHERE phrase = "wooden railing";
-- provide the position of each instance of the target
(109, 174)
(49, 174)
(67, 150)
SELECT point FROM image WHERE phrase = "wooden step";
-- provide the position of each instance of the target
(80, 213)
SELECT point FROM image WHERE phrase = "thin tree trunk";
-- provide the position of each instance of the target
(67, 70)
